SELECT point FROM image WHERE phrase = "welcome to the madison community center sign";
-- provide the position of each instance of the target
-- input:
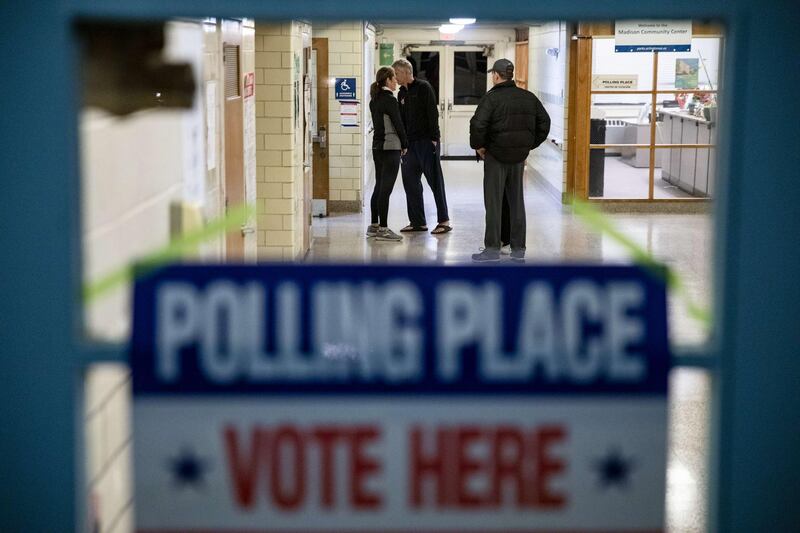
(399, 398)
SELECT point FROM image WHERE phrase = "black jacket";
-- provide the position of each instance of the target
(509, 123)
(389, 132)
(420, 111)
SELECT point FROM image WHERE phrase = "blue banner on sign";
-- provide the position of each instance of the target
(654, 48)
(385, 329)
(345, 89)
(399, 329)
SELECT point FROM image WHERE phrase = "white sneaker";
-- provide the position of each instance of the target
(505, 250)
(385, 234)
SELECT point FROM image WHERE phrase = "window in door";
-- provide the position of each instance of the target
(426, 67)
(469, 77)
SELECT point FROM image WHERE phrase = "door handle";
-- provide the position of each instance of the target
(321, 137)
(248, 229)
(449, 106)
(441, 107)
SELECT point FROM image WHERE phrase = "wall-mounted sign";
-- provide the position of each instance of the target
(687, 73)
(386, 51)
(345, 89)
(353, 398)
(249, 84)
(653, 36)
(615, 81)
(348, 114)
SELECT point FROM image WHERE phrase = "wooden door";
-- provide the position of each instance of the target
(321, 169)
(233, 131)
(521, 65)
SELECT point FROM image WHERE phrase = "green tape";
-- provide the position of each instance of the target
(176, 249)
(597, 220)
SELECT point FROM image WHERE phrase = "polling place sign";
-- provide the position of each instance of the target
(311, 398)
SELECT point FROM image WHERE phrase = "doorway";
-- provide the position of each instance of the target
(458, 76)
(234, 138)
(319, 126)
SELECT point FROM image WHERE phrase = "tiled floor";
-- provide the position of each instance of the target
(683, 241)
(624, 181)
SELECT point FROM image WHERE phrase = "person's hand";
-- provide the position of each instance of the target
(435, 143)
(404, 151)
(482, 152)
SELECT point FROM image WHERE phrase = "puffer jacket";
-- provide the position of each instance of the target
(509, 123)
(389, 132)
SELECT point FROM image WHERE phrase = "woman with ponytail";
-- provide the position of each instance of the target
(389, 142)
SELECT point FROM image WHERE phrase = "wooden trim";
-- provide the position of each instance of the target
(571, 112)
(658, 146)
(582, 111)
(653, 117)
(676, 200)
(665, 91)
(321, 162)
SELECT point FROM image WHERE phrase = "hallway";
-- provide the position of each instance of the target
(682, 241)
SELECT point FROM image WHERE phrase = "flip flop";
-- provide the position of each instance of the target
(410, 228)
(442, 227)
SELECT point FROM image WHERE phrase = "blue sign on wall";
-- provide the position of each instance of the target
(346, 89)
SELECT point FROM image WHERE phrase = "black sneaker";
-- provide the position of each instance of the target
(372, 230)
(486, 255)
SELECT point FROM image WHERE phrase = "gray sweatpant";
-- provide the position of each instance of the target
(498, 178)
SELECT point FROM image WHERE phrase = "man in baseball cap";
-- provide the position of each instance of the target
(508, 124)
(504, 68)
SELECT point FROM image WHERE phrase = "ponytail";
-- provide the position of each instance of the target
(383, 74)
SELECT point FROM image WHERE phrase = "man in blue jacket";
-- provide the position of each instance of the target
(508, 124)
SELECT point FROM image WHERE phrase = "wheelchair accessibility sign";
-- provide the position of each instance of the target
(345, 88)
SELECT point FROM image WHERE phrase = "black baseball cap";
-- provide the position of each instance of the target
(504, 67)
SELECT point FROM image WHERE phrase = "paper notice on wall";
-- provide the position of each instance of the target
(615, 81)
(211, 125)
(348, 114)
(250, 150)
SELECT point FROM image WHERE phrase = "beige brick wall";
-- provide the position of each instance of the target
(279, 50)
(345, 59)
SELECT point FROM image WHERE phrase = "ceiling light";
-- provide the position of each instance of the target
(462, 22)
(450, 28)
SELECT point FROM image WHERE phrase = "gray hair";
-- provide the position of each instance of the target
(404, 64)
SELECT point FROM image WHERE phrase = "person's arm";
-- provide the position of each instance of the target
(541, 124)
(479, 124)
(393, 110)
(432, 111)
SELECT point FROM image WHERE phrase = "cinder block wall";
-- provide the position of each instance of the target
(345, 59)
(280, 195)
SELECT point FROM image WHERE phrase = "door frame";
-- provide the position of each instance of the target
(446, 85)
(580, 104)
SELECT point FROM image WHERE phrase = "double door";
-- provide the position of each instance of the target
(459, 79)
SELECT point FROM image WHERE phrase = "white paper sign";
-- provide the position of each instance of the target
(615, 81)
(211, 125)
(349, 114)
(653, 36)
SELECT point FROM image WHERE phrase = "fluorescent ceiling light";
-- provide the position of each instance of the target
(462, 22)
(450, 28)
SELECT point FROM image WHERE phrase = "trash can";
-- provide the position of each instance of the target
(597, 157)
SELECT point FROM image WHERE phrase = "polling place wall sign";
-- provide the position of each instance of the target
(379, 398)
